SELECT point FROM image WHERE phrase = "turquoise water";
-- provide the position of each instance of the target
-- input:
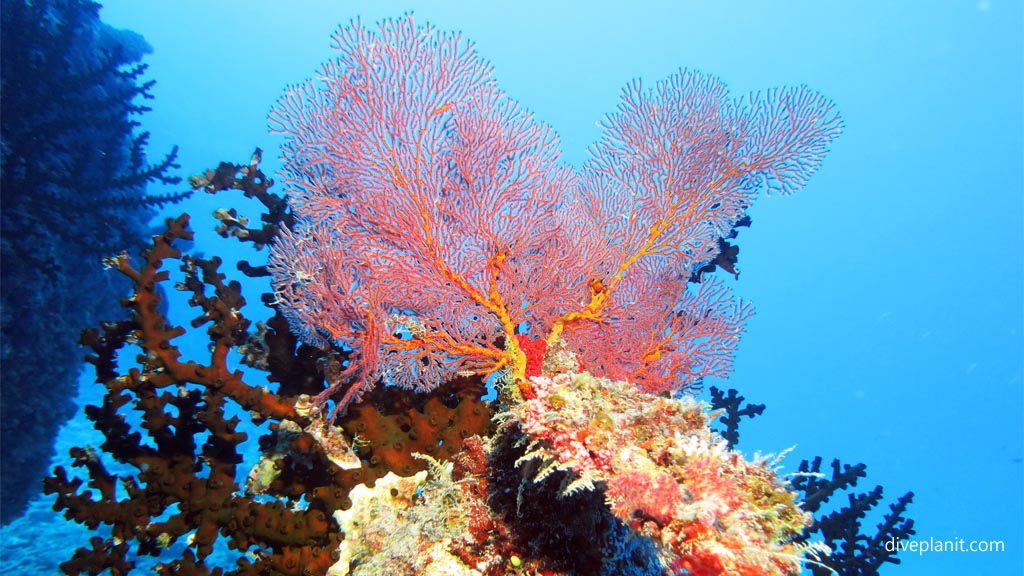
(888, 293)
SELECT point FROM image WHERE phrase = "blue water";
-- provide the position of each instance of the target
(889, 292)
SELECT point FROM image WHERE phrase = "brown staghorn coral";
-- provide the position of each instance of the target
(186, 489)
(181, 490)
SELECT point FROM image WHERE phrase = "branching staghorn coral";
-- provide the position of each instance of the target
(167, 418)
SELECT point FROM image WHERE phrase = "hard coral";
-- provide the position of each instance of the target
(185, 488)
(428, 524)
(182, 490)
(391, 425)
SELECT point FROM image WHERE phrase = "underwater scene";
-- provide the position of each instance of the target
(521, 288)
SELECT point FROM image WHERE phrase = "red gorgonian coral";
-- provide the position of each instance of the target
(437, 223)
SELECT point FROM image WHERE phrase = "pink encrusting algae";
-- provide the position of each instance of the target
(665, 473)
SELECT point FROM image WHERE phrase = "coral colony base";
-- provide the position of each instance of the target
(431, 246)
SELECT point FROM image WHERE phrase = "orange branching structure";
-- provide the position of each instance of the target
(161, 362)
(437, 227)
(168, 422)
(184, 487)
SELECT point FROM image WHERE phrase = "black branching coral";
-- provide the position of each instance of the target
(731, 404)
(74, 175)
(854, 553)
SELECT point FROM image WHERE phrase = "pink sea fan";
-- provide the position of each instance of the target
(427, 202)
(436, 223)
(675, 169)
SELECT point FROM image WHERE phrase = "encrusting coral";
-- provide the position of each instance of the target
(439, 253)
(665, 473)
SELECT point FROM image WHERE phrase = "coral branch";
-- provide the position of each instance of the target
(731, 404)
(163, 358)
(185, 450)
(254, 184)
(854, 553)
(817, 488)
